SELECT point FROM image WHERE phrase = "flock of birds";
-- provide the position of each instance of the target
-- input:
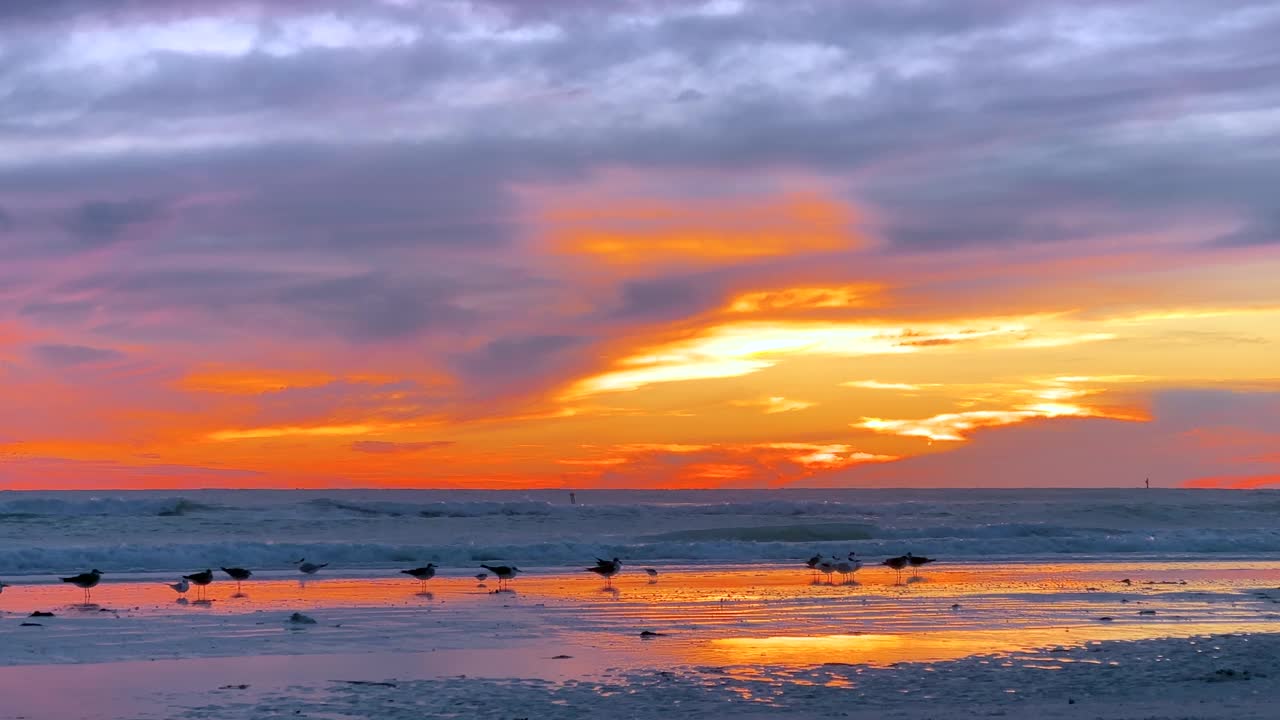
(849, 566)
(201, 580)
(606, 569)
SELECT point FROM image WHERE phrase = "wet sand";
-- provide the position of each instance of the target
(139, 653)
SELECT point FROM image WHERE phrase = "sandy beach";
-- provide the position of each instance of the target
(1182, 639)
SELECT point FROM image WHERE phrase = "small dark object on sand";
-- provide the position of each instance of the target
(370, 683)
(234, 687)
(650, 633)
(41, 613)
(300, 619)
(561, 657)
(30, 625)
(1106, 618)
(1146, 612)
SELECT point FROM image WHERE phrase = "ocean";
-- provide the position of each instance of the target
(159, 531)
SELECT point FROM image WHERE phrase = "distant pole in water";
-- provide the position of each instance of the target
(573, 498)
(1148, 483)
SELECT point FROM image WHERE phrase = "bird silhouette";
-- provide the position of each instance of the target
(422, 574)
(606, 569)
(502, 572)
(85, 581)
(238, 574)
(201, 580)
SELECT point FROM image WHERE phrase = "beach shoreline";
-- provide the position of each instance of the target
(559, 637)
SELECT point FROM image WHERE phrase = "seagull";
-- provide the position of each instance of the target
(502, 572)
(606, 569)
(653, 574)
(826, 567)
(422, 574)
(200, 579)
(181, 587)
(309, 568)
(813, 564)
(897, 563)
(238, 574)
(849, 567)
(481, 577)
(85, 581)
(916, 562)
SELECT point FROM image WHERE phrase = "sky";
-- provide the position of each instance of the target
(639, 244)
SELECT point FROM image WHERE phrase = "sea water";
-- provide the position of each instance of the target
(144, 531)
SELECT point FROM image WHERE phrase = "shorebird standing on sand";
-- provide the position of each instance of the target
(307, 568)
(181, 587)
(916, 562)
(422, 574)
(653, 575)
(897, 563)
(827, 566)
(85, 581)
(238, 574)
(813, 564)
(481, 577)
(848, 567)
(607, 569)
(502, 572)
(200, 580)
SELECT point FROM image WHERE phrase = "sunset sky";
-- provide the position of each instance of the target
(568, 243)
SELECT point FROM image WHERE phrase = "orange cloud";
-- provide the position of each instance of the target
(775, 404)
(743, 348)
(302, 431)
(647, 231)
(804, 298)
(250, 381)
(877, 385)
(954, 427)
(827, 456)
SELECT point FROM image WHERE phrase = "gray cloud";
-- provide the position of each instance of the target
(368, 188)
(102, 222)
(369, 307)
(1263, 230)
(74, 355)
(667, 297)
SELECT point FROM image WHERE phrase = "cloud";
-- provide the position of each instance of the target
(67, 356)
(102, 222)
(372, 308)
(775, 404)
(514, 198)
(1099, 452)
(380, 447)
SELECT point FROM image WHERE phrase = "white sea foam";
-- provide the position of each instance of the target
(145, 531)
